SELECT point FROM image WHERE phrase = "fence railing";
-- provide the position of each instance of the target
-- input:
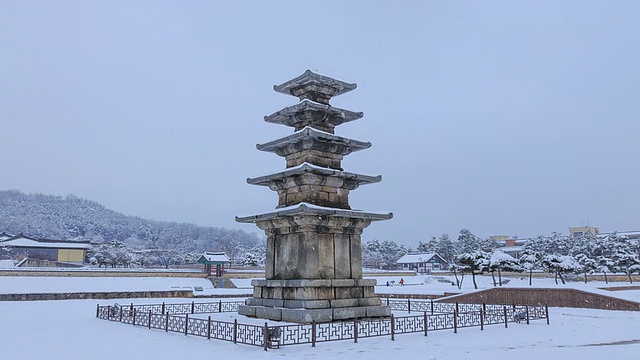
(432, 317)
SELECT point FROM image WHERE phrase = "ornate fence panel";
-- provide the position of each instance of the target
(178, 308)
(222, 330)
(537, 312)
(492, 317)
(374, 327)
(444, 308)
(250, 334)
(177, 319)
(175, 323)
(334, 331)
(154, 308)
(398, 305)
(294, 334)
(468, 319)
(409, 324)
(157, 321)
(186, 308)
(230, 306)
(197, 327)
(440, 322)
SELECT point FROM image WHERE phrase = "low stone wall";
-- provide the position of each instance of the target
(98, 295)
(103, 273)
(411, 296)
(551, 297)
(621, 288)
(239, 274)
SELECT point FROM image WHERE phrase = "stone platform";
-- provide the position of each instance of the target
(320, 300)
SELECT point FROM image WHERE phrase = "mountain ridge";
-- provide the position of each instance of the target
(72, 217)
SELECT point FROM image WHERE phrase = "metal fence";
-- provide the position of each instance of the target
(432, 317)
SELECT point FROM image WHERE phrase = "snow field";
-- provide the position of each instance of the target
(69, 329)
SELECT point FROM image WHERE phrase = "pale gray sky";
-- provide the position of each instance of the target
(503, 117)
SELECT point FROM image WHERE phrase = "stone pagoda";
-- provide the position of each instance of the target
(313, 264)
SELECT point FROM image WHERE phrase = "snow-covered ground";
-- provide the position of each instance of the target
(420, 284)
(437, 285)
(46, 284)
(69, 329)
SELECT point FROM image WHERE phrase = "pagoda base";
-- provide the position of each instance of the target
(306, 301)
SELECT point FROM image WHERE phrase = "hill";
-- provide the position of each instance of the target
(71, 217)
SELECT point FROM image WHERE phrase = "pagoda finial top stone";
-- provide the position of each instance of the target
(314, 87)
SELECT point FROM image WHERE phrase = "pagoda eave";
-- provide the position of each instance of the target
(311, 170)
(303, 209)
(309, 113)
(347, 146)
(317, 83)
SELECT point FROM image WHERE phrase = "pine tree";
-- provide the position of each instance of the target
(530, 260)
(475, 262)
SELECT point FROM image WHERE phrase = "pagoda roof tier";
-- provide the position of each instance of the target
(308, 113)
(314, 87)
(309, 139)
(304, 209)
(307, 169)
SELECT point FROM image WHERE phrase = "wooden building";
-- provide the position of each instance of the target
(214, 259)
(63, 251)
(422, 263)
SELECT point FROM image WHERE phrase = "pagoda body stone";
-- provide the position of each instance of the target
(313, 267)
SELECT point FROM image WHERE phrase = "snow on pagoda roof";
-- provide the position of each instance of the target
(308, 209)
(310, 134)
(312, 85)
(309, 113)
(310, 169)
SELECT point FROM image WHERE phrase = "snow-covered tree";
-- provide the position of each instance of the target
(560, 264)
(605, 264)
(530, 260)
(467, 242)
(554, 244)
(428, 247)
(446, 248)
(499, 261)
(70, 217)
(625, 261)
(474, 262)
(255, 256)
(382, 254)
(110, 254)
(488, 245)
(458, 270)
(587, 265)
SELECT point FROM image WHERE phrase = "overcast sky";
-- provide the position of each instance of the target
(505, 118)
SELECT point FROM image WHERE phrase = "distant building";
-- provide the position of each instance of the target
(510, 245)
(64, 251)
(628, 234)
(217, 259)
(423, 263)
(583, 230)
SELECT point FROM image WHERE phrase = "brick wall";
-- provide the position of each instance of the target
(552, 297)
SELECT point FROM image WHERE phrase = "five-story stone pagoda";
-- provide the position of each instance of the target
(313, 264)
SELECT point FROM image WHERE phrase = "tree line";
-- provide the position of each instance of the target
(556, 254)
